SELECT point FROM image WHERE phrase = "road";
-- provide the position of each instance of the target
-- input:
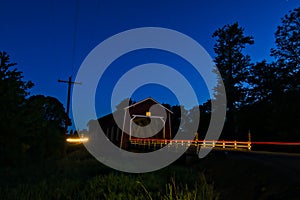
(253, 175)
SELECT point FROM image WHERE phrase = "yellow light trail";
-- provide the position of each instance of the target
(77, 140)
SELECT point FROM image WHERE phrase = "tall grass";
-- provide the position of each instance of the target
(111, 186)
(80, 176)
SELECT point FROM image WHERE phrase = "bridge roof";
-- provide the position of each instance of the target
(148, 99)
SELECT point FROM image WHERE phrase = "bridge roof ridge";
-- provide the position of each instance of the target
(149, 98)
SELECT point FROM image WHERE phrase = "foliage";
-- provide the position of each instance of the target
(43, 121)
(231, 62)
(287, 50)
(88, 179)
(274, 111)
(111, 186)
(13, 91)
(29, 127)
(263, 97)
(263, 81)
(174, 192)
(233, 66)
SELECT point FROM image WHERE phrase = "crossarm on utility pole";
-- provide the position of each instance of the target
(70, 82)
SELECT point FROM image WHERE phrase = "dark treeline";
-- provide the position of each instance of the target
(31, 128)
(262, 97)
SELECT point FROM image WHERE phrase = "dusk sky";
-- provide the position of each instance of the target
(39, 35)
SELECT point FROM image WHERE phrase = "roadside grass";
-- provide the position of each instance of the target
(80, 176)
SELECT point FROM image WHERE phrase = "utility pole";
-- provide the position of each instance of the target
(70, 82)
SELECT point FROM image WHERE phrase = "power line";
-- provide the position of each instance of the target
(69, 81)
(75, 35)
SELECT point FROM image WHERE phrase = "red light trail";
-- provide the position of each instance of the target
(277, 143)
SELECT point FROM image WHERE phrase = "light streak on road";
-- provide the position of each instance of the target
(277, 143)
(77, 140)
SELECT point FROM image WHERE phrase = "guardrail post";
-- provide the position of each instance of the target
(235, 145)
(223, 145)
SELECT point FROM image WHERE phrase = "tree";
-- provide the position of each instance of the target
(43, 121)
(13, 91)
(28, 126)
(286, 94)
(233, 66)
(264, 82)
(45, 110)
(287, 50)
(205, 114)
(274, 87)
